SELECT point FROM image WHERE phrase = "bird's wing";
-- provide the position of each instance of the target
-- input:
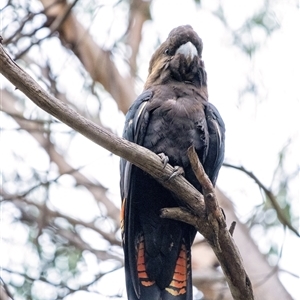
(136, 123)
(215, 154)
(134, 130)
(150, 242)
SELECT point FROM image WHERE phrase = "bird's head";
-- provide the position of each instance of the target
(178, 59)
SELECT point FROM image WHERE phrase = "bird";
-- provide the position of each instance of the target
(171, 114)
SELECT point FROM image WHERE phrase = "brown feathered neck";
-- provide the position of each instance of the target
(178, 59)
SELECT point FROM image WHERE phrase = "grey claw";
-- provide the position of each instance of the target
(176, 172)
(164, 159)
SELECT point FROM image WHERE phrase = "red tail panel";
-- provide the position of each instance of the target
(141, 267)
(122, 216)
(178, 284)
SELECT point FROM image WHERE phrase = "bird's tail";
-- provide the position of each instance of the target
(180, 287)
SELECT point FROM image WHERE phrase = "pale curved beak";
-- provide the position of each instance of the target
(188, 50)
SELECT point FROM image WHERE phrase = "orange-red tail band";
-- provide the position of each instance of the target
(179, 282)
(141, 267)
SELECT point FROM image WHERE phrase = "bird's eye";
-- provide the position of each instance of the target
(167, 51)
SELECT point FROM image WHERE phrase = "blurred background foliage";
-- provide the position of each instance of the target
(59, 193)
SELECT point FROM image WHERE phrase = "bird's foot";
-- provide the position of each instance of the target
(164, 159)
(176, 172)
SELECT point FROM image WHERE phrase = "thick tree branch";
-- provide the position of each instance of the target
(141, 157)
(218, 235)
(222, 244)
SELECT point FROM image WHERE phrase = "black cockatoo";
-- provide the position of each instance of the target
(171, 114)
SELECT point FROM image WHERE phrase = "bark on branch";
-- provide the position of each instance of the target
(210, 220)
(216, 232)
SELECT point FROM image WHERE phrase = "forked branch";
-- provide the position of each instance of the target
(212, 226)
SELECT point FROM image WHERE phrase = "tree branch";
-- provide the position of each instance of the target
(280, 214)
(217, 235)
(140, 156)
(96, 61)
(4, 291)
(139, 13)
(98, 192)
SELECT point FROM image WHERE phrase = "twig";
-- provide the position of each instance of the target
(32, 279)
(49, 213)
(280, 214)
(6, 290)
(232, 227)
(96, 60)
(98, 191)
(19, 116)
(53, 27)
